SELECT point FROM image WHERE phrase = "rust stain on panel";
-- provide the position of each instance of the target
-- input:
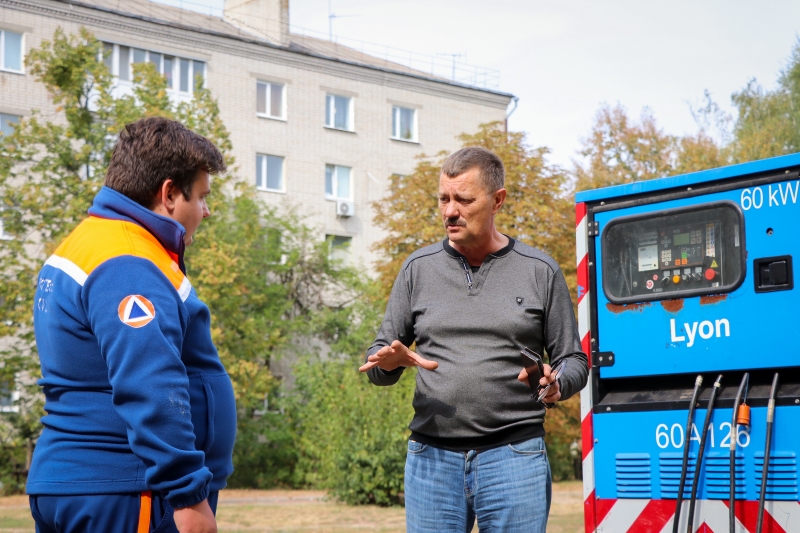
(713, 299)
(672, 306)
(614, 308)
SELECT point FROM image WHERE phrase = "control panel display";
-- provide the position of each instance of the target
(674, 253)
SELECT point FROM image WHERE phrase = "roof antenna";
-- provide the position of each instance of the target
(454, 57)
(332, 16)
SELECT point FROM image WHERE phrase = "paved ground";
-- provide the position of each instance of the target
(309, 511)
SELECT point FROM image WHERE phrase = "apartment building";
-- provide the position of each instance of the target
(313, 123)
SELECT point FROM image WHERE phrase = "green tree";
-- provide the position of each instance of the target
(352, 435)
(262, 273)
(768, 122)
(619, 150)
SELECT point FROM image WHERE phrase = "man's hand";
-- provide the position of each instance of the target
(197, 518)
(553, 393)
(394, 356)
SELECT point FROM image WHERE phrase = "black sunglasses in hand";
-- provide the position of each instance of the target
(543, 390)
(535, 369)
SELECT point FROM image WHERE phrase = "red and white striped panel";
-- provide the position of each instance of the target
(584, 301)
(711, 516)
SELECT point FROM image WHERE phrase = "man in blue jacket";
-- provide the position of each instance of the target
(141, 416)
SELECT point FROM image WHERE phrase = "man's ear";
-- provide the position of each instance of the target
(164, 202)
(499, 198)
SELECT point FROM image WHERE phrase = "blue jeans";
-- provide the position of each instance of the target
(506, 488)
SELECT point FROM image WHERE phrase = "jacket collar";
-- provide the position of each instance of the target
(114, 205)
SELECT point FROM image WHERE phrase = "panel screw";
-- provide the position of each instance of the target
(590, 263)
(796, 400)
(608, 409)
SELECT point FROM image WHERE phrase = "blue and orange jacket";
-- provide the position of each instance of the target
(136, 396)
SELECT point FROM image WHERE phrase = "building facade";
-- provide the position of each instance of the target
(313, 124)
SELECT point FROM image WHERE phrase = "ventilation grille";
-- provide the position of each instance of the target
(669, 470)
(633, 475)
(781, 477)
(718, 475)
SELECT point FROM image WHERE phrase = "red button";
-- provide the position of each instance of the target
(710, 274)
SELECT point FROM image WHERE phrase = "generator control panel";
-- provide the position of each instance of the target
(674, 253)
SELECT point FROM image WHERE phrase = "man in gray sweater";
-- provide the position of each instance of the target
(471, 303)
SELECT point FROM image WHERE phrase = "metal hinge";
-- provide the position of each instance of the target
(602, 359)
(593, 229)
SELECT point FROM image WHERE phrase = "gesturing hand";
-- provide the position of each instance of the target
(397, 355)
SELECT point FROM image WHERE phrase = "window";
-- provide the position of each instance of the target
(181, 73)
(10, 51)
(169, 68)
(337, 182)
(7, 123)
(108, 56)
(124, 65)
(3, 235)
(185, 64)
(404, 124)
(339, 249)
(339, 112)
(269, 173)
(155, 59)
(199, 69)
(8, 397)
(139, 55)
(270, 100)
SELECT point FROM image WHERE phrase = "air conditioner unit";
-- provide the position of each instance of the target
(344, 208)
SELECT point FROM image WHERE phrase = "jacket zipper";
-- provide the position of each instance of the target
(468, 272)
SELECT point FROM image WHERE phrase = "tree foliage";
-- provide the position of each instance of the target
(768, 122)
(619, 150)
(265, 277)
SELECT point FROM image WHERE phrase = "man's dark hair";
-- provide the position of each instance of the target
(155, 149)
(491, 171)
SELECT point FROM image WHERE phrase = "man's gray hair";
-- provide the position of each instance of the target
(490, 168)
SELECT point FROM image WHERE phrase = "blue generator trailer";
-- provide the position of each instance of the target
(688, 309)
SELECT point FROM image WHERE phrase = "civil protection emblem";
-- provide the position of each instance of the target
(136, 311)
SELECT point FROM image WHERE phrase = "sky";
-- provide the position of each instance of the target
(564, 59)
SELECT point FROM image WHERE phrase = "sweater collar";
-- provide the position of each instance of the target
(499, 253)
(114, 205)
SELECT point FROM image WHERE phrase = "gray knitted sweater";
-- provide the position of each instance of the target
(517, 298)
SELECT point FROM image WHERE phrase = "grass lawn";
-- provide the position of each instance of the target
(309, 511)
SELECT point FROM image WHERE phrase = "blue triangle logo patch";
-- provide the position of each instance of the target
(137, 311)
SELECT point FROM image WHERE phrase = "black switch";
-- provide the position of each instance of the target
(773, 273)
(778, 273)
